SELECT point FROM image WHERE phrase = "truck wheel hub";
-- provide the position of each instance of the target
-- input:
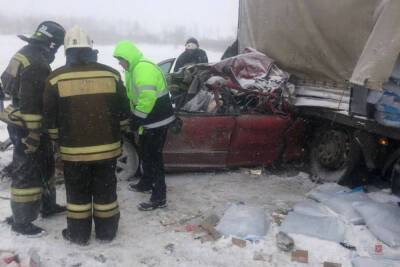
(333, 149)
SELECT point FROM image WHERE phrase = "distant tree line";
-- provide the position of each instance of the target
(108, 32)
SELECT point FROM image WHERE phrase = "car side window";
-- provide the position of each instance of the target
(166, 65)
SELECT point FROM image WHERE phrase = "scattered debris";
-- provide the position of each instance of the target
(258, 256)
(100, 258)
(189, 218)
(245, 222)
(169, 249)
(168, 221)
(190, 227)
(283, 210)
(300, 256)
(212, 219)
(378, 249)
(257, 172)
(374, 262)
(348, 246)
(284, 242)
(8, 258)
(174, 219)
(331, 264)
(206, 238)
(211, 230)
(278, 218)
(326, 228)
(150, 261)
(239, 242)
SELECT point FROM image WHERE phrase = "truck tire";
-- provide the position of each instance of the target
(395, 179)
(334, 156)
(128, 162)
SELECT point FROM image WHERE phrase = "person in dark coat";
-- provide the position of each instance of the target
(23, 80)
(192, 55)
(85, 108)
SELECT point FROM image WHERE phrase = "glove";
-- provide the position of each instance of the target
(31, 142)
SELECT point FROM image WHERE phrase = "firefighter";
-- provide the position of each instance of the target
(33, 162)
(85, 107)
(152, 112)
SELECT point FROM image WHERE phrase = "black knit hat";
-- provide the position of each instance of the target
(192, 40)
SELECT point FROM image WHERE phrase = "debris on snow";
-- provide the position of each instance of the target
(326, 228)
(239, 242)
(284, 242)
(278, 218)
(373, 262)
(244, 222)
(331, 264)
(206, 238)
(100, 258)
(260, 256)
(211, 231)
(256, 172)
(211, 219)
(169, 249)
(348, 246)
(300, 256)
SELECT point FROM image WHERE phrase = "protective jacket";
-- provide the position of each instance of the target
(33, 161)
(146, 88)
(23, 80)
(80, 104)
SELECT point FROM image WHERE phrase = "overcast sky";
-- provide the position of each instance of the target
(214, 17)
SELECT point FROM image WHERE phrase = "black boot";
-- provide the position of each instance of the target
(28, 229)
(140, 188)
(66, 235)
(152, 205)
(55, 209)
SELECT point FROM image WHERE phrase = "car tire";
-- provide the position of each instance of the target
(334, 156)
(128, 162)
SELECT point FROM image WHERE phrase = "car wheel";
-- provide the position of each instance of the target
(334, 156)
(128, 162)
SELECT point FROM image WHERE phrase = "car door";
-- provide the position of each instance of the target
(257, 139)
(198, 141)
(166, 65)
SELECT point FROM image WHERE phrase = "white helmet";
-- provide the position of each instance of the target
(77, 38)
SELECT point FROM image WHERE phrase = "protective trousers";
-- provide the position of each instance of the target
(31, 186)
(91, 193)
(151, 145)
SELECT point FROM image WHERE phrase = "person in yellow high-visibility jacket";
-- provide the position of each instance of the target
(152, 112)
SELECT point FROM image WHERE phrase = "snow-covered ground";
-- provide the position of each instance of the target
(143, 236)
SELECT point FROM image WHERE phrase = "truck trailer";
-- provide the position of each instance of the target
(343, 57)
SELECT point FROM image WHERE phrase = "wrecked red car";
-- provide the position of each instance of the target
(230, 114)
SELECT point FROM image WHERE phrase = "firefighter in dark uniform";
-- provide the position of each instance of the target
(33, 162)
(85, 110)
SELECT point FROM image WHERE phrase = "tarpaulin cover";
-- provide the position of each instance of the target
(325, 40)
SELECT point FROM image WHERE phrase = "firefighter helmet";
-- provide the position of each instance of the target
(51, 33)
(77, 38)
